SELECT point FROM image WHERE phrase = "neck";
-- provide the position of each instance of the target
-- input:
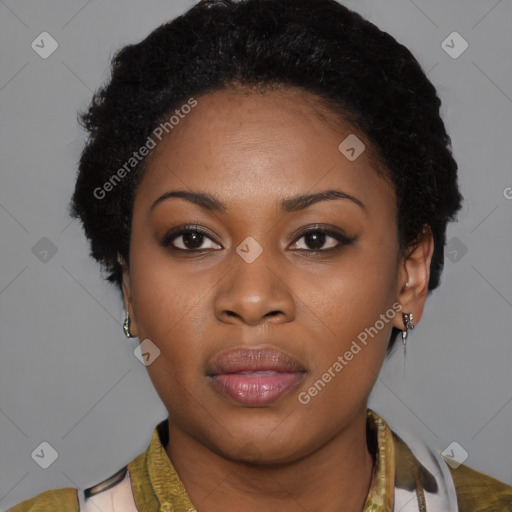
(336, 476)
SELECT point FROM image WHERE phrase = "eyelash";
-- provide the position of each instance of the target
(343, 240)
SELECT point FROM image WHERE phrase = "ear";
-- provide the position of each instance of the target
(127, 294)
(413, 277)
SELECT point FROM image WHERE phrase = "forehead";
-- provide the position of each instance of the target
(248, 146)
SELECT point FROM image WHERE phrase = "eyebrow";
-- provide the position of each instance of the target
(289, 205)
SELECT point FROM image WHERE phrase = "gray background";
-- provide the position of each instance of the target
(67, 374)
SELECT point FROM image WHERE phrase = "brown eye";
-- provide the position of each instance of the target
(318, 240)
(189, 239)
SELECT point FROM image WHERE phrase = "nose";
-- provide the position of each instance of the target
(254, 294)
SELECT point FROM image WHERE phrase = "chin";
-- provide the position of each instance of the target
(263, 453)
(254, 445)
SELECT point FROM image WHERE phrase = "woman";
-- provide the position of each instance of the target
(269, 183)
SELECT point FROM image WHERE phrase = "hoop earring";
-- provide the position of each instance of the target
(126, 326)
(408, 319)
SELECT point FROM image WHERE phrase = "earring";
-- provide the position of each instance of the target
(126, 326)
(408, 320)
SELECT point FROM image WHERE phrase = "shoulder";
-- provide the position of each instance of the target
(477, 492)
(63, 500)
(114, 493)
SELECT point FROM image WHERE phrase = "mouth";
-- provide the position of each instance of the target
(255, 376)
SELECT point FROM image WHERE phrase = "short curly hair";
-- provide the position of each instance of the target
(362, 73)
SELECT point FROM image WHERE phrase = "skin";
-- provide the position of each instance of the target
(251, 151)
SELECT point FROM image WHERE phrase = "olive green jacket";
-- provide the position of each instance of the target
(150, 483)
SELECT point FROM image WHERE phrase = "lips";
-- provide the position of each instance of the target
(255, 376)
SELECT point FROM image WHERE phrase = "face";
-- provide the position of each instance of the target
(258, 297)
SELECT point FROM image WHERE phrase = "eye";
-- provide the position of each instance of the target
(316, 238)
(189, 239)
(193, 238)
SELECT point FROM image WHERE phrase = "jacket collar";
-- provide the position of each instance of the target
(407, 476)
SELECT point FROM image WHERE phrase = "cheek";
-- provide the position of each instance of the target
(167, 302)
(168, 312)
(354, 302)
(352, 295)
